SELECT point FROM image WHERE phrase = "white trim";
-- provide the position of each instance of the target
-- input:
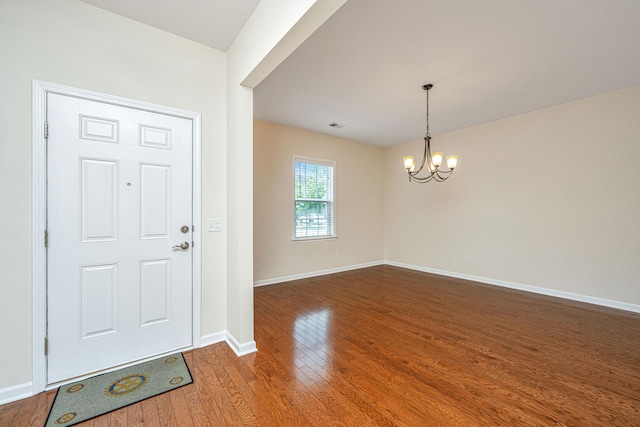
(323, 162)
(316, 160)
(240, 349)
(495, 282)
(39, 224)
(225, 336)
(196, 254)
(214, 338)
(15, 392)
(39, 200)
(527, 288)
(312, 239)
(316, 273)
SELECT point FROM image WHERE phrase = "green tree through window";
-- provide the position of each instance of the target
(313, 190)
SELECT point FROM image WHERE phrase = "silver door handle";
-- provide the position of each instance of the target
(183, 245)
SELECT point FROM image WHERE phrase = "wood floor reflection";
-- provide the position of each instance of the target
(385, 346)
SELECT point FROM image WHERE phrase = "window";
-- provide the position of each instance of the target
(313, 193)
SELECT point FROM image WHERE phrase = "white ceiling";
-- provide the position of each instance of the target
(214, 23)
(364, 67)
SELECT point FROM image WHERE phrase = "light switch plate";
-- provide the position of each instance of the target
(213, 224)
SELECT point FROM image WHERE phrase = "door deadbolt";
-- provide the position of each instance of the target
(184, 229)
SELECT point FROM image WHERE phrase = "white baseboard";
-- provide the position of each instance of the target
(238, 349)
(213, 338)
(16, 392)
(316, 273)
(241, 349)
(528, 288)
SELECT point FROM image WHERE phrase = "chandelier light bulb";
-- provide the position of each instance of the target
(408, 163)
(437, 158)
(452, 162)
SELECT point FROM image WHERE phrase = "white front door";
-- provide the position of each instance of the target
(119, 205)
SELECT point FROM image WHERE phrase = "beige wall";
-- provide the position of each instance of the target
(359, 203)
(549, 199)
(71, 43)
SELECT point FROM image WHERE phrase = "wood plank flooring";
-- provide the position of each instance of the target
(385, 346)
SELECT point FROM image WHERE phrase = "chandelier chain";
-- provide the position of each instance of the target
(426, 133)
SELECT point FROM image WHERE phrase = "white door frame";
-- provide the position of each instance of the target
(39, 211)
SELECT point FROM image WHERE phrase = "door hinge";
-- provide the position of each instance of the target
(193, 228)
(46, 130)
(46, 239)
(46, 346)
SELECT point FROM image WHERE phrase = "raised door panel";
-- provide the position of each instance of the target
(155, 201)
(99, 300)
(98, 200)
(155, 285)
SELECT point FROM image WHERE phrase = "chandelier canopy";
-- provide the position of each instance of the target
(433, 161)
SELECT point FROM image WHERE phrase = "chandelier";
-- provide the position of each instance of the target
(433, 161)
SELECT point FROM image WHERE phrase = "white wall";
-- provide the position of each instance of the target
(359, 203)
(549, 199)
(71, 43)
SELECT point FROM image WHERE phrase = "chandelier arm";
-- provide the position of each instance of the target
(438, 177)
(445, 175)
(424, 158)
(429, 157)
(423, 179)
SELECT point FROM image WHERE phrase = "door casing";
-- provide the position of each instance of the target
(39, 212)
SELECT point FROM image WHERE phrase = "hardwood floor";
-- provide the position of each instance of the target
(384, 346)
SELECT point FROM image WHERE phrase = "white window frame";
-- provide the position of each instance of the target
(332, 202)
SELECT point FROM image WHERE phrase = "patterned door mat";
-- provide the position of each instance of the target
(104, 393)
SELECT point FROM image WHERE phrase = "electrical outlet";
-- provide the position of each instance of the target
(467, 259)
(450, 257)
(338, 253)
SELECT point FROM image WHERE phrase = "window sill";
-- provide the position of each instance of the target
(313, 239)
